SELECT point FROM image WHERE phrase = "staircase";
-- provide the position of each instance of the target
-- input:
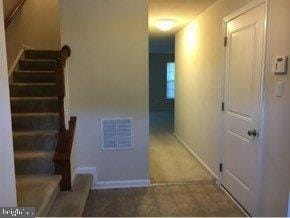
(35, 122)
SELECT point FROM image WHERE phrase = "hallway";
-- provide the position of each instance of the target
(170, 161)
(180, 186)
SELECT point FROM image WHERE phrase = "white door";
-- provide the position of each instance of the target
(242, 96)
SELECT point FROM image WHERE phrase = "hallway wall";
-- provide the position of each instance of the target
(108, 78)
(199, 64)
(276, 162)
(7, 175)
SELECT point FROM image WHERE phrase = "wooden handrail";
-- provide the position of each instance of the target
(60, 83)
(13, 14)
(65, 137)
(62, 157)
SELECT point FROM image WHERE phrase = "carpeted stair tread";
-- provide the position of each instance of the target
(34, 162)
(34, 104)
(33, 133)
(35, 121)
(35, 140)
(34, 72)
(33, 154)
(39, 191)
(33, 90)
(34, 84)
(33, 114)
(36, 65)
(34, 98)
(34, 76)
(42, 54)
(72, 203)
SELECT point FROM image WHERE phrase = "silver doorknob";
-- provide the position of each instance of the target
(253, 133)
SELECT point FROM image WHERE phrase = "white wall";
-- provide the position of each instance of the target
(199, 75)
(198, 57)
(276, 163)
(7, 175)
(36, 26)
(108, 77)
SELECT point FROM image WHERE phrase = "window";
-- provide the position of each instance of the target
(170, 90)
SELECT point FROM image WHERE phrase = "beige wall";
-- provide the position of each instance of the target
(198, 57)
(108, 78)
(198, 103)
(9, 5)
(7, 175)
(37, 26)
(276, 163)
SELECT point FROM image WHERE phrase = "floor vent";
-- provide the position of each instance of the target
(116, 134)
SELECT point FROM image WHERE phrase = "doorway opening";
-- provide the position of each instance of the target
(170, 160)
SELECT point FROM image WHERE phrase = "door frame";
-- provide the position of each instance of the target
(241, 11)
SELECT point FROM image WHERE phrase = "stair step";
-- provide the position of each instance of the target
(37, 65)
(42, 54)
(34, 104)
(34, 76)
(39, 191)
(35, 121)
(34, 162)
(35, 141)
(33, 90)
(72, 203)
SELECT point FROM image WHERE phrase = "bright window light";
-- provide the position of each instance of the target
(170, 90)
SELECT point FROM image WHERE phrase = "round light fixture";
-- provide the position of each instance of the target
(165, 24)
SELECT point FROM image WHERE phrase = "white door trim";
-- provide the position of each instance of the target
(227, 19)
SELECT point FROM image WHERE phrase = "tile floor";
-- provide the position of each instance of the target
(183, 200)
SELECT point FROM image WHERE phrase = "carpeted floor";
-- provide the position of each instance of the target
(170, 161)
(184, 200)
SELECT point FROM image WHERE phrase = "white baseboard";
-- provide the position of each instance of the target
(123, 184)
(27, 47)
(86, 170)
(235, 201)
(195, 155)
(109, 184)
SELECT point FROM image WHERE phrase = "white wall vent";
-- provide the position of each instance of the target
(116, 134)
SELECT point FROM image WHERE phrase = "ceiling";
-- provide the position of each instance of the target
(183, 11)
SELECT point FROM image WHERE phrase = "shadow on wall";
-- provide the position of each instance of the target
(36, 26)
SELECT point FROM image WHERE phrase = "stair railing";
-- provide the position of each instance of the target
(60, 84)
(65, 137)
(9, 19)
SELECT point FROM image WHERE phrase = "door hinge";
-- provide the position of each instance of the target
(225, 41)
(221, 167)
(223, 106)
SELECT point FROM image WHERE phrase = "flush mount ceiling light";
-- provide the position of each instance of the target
(165, 24)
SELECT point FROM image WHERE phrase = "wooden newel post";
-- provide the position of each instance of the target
(65, 137)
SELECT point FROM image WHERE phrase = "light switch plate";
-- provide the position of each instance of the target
(279, 89)
(279, 65)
